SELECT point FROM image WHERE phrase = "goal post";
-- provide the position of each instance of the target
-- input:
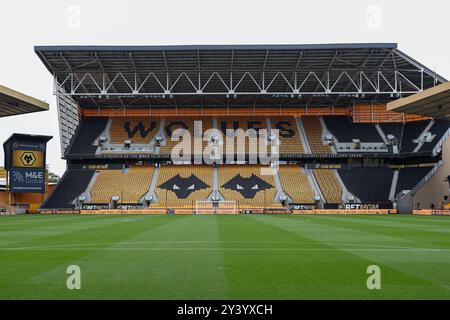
(221, 207)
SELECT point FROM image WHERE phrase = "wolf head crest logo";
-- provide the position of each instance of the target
(247, 187)
(183, 187)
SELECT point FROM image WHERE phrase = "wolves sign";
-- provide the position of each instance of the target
(25, 162)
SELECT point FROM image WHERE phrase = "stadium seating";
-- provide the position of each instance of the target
(136, 129)
(88, 131)
(182, 185)
(172, 124)
(438, 129)
(245, 185)
(368, 184)
(344, 130)
(72, 185)
(290, 141)
(130, 185)
(411, 131)
(329, 185)
(296, 184)
(394, 129)
(314, 132)
(244, 123)
(408, 178)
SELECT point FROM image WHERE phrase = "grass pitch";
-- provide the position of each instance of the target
(224, 257)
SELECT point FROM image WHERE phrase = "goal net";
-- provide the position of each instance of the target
(208, 207)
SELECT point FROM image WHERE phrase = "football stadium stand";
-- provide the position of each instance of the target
(88, 132)
(296, 184)
(315, 134)
(408, 178)
(290, 141)
(370, 185)
(229, 124)
(329, 185)
(138, 130)
(411, 131)
(338, 142)
(393, 129)
(438, 129)
(185, 125)
(245, 185)
(72, 185)
(129, 184)
(344, 130)
(181, 186)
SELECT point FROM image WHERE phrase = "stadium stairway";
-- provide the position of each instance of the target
(329, 185)
(151, 189)
(315, 185)
(303, 135)
(314, 134)
(326, 132)
(392, 192)
(382, 135)
(296, 184)
(87, 192)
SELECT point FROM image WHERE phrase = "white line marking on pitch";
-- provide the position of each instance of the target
(82, 246)
(228, 249)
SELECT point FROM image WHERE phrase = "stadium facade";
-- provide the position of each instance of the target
(321, 109)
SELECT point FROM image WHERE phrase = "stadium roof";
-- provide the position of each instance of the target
(433, 102)
(14, 103)
(28, 137)
(233, 75)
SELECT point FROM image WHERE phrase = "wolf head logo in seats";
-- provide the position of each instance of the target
(247, 187)
(183, 187)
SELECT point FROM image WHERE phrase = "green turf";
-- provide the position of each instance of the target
(224, 257)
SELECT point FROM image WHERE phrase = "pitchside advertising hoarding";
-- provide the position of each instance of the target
(25, 162)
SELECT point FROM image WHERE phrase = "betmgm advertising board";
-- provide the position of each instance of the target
(25, 162)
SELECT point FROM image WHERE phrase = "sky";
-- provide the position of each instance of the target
(419, 27)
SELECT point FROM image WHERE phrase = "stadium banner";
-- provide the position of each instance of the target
(59, 211)
(106, 206)
(430, 212)
(23, 180)
(25, 161)
(358, 206)
(115, 211)
(303, 206)
(311, 166)
(350, 212)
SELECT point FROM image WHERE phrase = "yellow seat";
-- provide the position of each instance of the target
(314, 133)
(129, 186)
(296, 184)
(329, 185)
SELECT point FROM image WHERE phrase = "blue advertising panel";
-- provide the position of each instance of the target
(25, 162)
(24, 180)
